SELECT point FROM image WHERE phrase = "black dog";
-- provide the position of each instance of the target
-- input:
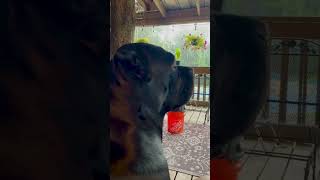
(145, 85)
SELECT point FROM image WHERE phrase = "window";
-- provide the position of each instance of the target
(171, 37)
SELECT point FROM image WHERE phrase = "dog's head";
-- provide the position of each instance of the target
(154, 79)
(145, 85)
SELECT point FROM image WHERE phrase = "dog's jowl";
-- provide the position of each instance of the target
(145, 85)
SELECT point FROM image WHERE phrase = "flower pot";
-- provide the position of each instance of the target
(175, 122)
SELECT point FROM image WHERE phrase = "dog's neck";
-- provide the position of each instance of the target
(134, 131)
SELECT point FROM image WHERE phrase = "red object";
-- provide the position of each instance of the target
(223, 169)
(175, 122)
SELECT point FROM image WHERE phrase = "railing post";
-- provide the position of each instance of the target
(199, 79)
(303, 81)
(204, 86)
(266, 109)
(199, 73)
(318, 94)
(284, 82)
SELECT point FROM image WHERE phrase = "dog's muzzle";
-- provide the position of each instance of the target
(180, 89)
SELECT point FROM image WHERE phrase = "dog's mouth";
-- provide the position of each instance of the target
(180, 91)
(166, 108)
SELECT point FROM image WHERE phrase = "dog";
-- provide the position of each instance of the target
(145, 85)
(53, 91)
(240, 79)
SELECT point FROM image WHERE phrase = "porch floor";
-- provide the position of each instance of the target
(289, 166)
(278, 161)
(192, 115)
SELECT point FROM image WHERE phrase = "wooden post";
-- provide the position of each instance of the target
(266, 109)
(204, 86)
(284, 83)
(122, 23)
(199, 79)
(303, 84)
(318, 95)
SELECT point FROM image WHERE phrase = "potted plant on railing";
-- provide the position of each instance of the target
(142, 40)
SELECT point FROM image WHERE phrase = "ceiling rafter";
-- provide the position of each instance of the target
(142, 4)
(173, 17)
(160, 7)
(198, 6)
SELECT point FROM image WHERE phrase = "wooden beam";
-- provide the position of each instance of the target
(160, 7)
(198, 6)
(292, 19)
(143, 4)
(293, 27)
(150, 6)
(173, 17)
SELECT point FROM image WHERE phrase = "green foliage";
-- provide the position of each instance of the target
(178, 54)
(142, 40)
(194, 42)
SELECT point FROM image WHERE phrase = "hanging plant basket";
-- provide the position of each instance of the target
(195, 42)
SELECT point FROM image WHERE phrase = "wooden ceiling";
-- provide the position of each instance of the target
(165, 12)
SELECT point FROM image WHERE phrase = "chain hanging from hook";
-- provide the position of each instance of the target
(195, 26)
(153, 28)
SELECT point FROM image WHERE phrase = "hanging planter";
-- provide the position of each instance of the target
(195, 42)
(142, 40)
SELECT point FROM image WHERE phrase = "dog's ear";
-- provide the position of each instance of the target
(132, 65)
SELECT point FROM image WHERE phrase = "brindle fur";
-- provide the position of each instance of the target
(139, 100)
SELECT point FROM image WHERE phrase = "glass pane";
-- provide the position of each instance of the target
(171, 37)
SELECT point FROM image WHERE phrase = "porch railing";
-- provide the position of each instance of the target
(201, 91)
(294, 87)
